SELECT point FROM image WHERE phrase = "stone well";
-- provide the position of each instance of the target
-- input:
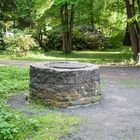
(65, 84)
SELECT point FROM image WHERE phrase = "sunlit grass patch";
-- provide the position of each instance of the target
(13, 80)
(55, 125)
(99, 57)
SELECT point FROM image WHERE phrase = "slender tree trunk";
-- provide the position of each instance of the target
(71, 27)
(67, 50)
(67, 18)
(1, 26)
(1, 37)
(63, 26)
(90, 8)
(92, 23)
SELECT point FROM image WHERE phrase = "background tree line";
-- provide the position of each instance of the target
(72, 25)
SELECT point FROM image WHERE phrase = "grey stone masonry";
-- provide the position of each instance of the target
(65, 84)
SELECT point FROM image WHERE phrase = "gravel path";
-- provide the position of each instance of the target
(20, 63)
(117, 116)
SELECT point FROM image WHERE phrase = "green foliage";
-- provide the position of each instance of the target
(19, 43)
(109, 16)
(41, 16)
(17, 126)
(25, 8)
(54, 40)
(8, 125)
(61, 2)
(13, 124)
(13, 80)
(83, 39)
(116, 41)
(42, 6)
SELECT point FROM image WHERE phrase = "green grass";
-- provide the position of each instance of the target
(55, 125)
(15, 125)
(12, 80)
(109, 56)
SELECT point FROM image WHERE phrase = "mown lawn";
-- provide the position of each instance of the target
(104, 57)
(15, 124)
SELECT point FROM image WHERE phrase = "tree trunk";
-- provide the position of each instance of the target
(67, 19)
(71, 27)
(92, 23)
(1, 26)
(63, 26)
(133, 28)
(127, 40)
(67, 50)
(2, 43)
(64, 23)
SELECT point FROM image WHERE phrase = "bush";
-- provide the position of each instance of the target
(19, 43)
(116, 41)
(54, 40)
(83, 39)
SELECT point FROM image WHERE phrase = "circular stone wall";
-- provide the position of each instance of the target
(65, 84)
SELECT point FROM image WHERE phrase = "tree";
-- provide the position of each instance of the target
(24, 13)
(67, 10)
(133, 26)
(1, 23)
(67, 19)
(6, 6)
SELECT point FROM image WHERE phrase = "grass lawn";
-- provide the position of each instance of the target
(104, 57)
(16, 125)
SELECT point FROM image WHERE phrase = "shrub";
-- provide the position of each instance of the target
(116, 41)
(19, 43)
(83, 39)
(54, 40)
